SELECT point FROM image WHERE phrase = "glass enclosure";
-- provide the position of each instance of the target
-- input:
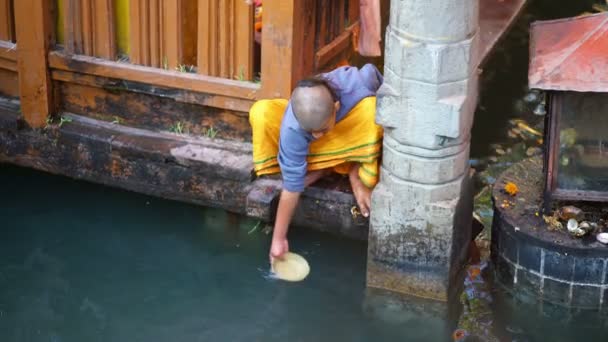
(581, 162)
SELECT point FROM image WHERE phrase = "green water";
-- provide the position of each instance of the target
(82, 262)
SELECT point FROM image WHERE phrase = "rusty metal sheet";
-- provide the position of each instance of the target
(570, 54)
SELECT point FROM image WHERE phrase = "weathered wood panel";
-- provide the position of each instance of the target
(9, 83)
(225, 39)
(180, 95)
(138, 32)
(33, 26)
(172, 26)
(88, 27)
(190, 31)
(8, 56)
(156, 33)
(338, 46)
(104, 44)
(7, 21)
(142, 106)
(155, 77)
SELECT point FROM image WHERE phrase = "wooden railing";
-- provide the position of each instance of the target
(198, 52)
(7, 21)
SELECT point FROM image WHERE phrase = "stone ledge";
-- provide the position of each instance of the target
(215, 173)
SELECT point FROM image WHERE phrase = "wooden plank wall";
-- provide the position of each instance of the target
(156, 33)
(225, 39)
(7, 21)
(88, 27)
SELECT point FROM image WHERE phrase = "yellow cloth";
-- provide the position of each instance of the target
(355, 138)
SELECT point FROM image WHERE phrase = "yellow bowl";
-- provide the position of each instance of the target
(292, 267)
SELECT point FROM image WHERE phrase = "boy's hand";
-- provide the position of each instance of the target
(278, 248)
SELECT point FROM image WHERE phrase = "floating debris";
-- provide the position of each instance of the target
(602, 238)
(575, 229)
(525, 127)
(540, 110)
(532, 151)
(511, 188)
(500, 152)
(553, 222)
(570, 212)
(532, 97)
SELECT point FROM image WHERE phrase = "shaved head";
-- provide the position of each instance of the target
(312, 102)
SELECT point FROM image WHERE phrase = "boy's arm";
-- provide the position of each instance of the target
(287, 206)
(293, 149)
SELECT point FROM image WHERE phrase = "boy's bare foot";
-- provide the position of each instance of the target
(362, 193)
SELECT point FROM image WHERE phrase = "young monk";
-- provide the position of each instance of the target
(327, 125)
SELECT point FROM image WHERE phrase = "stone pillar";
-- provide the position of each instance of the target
(421, 209)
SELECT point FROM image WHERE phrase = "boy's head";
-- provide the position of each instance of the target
(314, 105)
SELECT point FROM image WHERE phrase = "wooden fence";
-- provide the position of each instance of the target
(202, 49)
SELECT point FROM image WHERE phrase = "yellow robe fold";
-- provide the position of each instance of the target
(355, 138)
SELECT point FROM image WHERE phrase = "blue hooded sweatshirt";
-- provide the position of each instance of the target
(351, 85)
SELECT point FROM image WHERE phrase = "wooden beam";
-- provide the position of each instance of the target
(9, 83)
(224, 46)
(72, 26)
(225, 39)
(7, 28)
(172, 33)
(189, 31)
(104, 40)
(86, 19)
(8, 56)
(139, 31)
(152, 76)
(155, 19)
(8, 50)
(184, 96)
(287, 45)
(353, 11)
(208, 36)
(33, 26)
(336, 47)
(243, 40)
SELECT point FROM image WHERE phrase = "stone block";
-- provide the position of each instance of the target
(556, 292)
(558, 265)
(505, 271)
(402, 198)
(435, 63)
(508, 247)
(425, 170)
(586, 296)
(437, 117)
(529, 257)
(527, 281)
(589, 271)
(436, 20)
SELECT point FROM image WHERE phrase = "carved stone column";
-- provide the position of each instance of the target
(421, 209)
